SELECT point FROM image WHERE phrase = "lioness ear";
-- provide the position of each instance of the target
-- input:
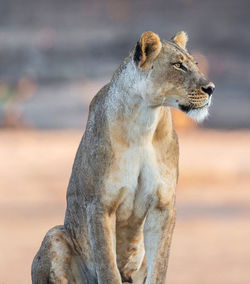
(147, 49)
(181, 39)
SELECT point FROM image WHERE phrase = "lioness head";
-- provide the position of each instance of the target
(175, 79)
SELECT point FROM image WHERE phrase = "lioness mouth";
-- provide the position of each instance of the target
(191, 107)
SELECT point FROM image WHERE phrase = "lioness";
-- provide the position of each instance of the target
(121, 196)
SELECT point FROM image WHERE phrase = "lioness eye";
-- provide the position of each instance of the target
(180, 66)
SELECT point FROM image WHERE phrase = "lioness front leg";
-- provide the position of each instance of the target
(158, 232)
(101, 225)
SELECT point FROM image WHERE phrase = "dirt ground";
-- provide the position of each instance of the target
(211, 239)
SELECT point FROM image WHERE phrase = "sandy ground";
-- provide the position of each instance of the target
(211, 239)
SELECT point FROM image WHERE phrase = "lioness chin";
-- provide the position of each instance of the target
(120, 211)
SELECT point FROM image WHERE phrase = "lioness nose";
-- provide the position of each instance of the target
(209, 89)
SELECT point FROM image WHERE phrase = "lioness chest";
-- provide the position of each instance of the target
(135, 178)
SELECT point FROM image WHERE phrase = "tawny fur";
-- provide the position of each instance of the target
(121, 196)
(181, 39)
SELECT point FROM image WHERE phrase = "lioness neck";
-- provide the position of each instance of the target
(130, 117)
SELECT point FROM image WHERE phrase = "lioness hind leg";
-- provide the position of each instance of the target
(52, 263)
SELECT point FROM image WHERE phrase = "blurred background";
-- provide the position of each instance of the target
(54, 57)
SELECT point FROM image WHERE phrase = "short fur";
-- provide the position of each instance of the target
(181, 39)
(121, 196)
